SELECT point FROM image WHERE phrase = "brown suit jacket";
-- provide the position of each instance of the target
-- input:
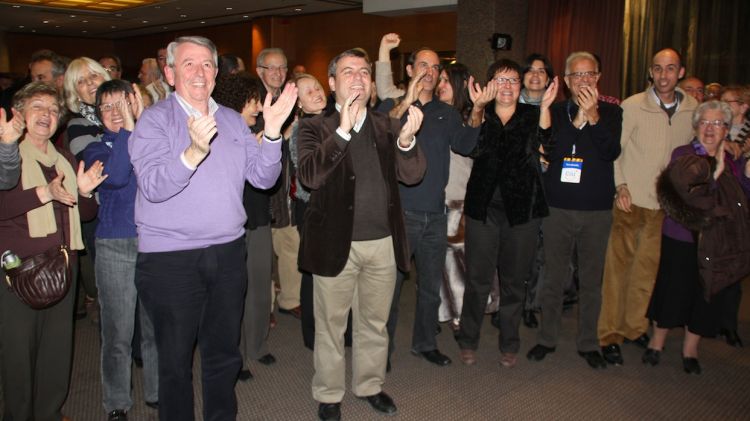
(327, 170)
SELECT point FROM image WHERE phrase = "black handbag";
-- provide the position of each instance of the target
(42, 280)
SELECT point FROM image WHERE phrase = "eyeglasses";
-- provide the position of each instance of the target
(581, 75)
(110, 69)
(91, 78)
(504, 80)
(716, 123)
(108, 108)
(274, 69)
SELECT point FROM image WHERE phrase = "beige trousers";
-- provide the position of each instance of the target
(630, 269)
(365, 286)
(286, 246)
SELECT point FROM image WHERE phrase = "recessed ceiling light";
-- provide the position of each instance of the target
(119, 15)
(203, 21)
(57, 26)
(85, 21)
(157, 7)
(21, 26)
(297, 9)
(45, 21)
(163, 27)
(145, 21)
(113, 27)
(72, 16)
(84, 31)
(16, 6)
(246, 16)
(178, 8)
(33, 30)
(228, 8)
(183, 16)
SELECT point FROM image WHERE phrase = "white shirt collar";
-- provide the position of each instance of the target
(358, 125)
(192, 111)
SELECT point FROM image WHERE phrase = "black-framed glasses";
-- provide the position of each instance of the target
(581, 75)
(272, 69)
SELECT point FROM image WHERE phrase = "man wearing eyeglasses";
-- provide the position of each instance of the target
(654, 123)
(424, 203)
(272, 68)
(112, 65)
(579, 185)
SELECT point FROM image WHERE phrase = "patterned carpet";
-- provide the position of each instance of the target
(562, 387)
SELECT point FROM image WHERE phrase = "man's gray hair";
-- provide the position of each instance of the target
(712, 105)
(193, 39)
(59, 65)
(354, 52)
(261, 59)
(578, 55)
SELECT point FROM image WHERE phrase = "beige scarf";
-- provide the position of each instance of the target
(42, 220)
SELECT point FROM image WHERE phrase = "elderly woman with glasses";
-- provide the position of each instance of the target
(504, 205)
(705, 248)
(43, 211)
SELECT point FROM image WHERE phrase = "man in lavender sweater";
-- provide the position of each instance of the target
(191, 158)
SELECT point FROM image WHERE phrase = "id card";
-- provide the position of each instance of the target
(571, 170)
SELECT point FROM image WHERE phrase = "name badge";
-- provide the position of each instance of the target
(571, 170)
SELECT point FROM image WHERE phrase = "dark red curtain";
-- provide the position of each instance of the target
(557, 28)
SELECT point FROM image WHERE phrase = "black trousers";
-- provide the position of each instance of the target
(196, 295)
(492, 246)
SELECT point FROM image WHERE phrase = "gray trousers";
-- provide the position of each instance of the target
(115, 281)
(37, 352)
(588, 231)
(258, 303)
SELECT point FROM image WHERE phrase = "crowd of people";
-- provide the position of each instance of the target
(192, 190)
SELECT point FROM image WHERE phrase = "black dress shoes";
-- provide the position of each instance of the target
(434, 356)
(641, 341)
(245, 375)
(329, 411)
(267, 359)
(691, 365)
(117, 415)
(538, 352)
(594, 359)
(612, 354)
(732, 338)
(382, 403)
(651, 357)
(529, 319)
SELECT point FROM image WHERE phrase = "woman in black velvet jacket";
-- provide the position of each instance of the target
(504, 205)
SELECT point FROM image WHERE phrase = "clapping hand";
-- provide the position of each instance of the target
(350, 112)
(719, 161)
(275, 115)
(480, 97)
(11, 131)
(410, 128)
(87, 181)
(550, 94)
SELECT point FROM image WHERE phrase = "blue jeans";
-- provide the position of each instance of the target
(115, 280)
(427, 234)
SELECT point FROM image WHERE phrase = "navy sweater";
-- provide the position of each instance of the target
(117, 192)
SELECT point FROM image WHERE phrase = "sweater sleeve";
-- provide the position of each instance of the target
(628, 130)
(606, 134)
(384, 81)
(10, 165)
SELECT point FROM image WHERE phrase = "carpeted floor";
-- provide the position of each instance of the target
(562, 387)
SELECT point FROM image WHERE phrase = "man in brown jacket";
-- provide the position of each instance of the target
(354, 239)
